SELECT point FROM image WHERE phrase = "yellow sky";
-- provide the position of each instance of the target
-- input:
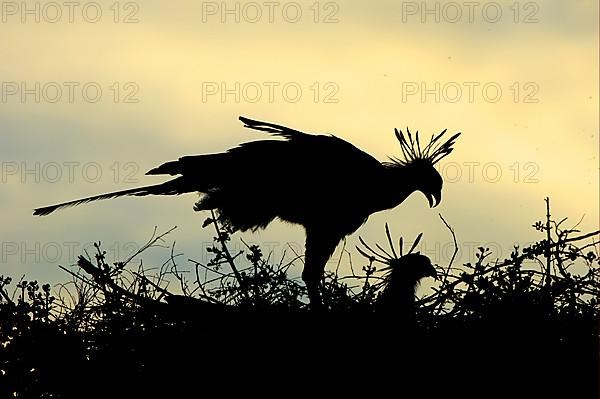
(357, 78)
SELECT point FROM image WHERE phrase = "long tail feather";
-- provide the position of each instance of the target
(172, 187)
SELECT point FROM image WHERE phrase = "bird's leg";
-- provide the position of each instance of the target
(319, 247)
(314, 294)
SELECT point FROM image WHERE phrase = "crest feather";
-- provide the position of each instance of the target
(433, 152)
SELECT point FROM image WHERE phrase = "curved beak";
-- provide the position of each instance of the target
(429, 271)
(434, 199)
(432, 272)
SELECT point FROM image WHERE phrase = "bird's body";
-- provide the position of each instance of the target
(321, 182)
(402, 281)
(306, 179)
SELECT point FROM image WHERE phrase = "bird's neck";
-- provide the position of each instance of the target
(400, 296)
(395, 184)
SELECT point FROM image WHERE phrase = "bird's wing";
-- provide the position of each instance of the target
(329, 146)
(301, 153)
(272, 128)
(193, 163)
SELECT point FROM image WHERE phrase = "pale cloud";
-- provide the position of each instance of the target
(368, 58)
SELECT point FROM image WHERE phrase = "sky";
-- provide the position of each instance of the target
(94, 94)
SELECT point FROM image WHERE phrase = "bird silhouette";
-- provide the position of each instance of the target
(403, 279)
(321, 182)
(404, 274)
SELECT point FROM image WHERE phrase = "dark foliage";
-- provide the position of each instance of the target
(526, 326)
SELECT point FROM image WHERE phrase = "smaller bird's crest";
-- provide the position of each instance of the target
(384, 256)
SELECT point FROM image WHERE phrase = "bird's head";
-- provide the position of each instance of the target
(419, 162)
(412, 267)
(426, 180)
(402, 269)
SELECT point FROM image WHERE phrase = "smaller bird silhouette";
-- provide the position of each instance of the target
(404, 273)
(321, 182)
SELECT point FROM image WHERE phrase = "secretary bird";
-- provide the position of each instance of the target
(321, 182)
